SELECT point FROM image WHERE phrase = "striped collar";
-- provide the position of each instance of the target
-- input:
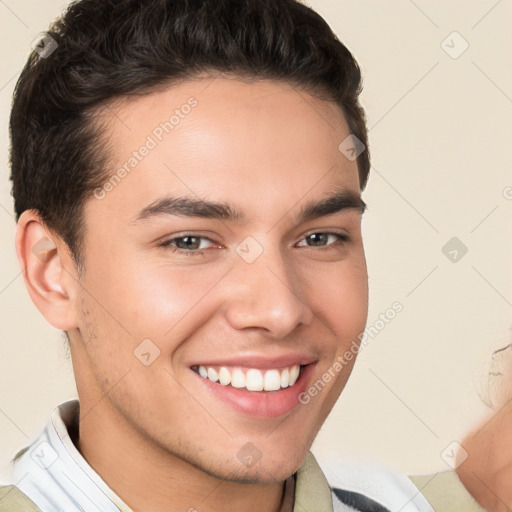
(55, 476)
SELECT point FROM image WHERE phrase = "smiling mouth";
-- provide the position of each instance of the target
(251, 379)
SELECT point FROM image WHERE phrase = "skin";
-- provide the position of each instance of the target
(487, 471)
(158, 438)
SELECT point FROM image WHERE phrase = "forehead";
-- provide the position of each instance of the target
(235, 141)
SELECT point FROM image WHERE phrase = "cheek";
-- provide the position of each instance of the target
(143, 298)
(340, 295)
(151, 299)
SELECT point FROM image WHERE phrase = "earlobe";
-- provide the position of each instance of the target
(40, 254)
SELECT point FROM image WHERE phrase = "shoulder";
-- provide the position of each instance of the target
(445, 492)
(371, 487)
(13, 500)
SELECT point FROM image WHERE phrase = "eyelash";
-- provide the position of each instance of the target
(342, 240)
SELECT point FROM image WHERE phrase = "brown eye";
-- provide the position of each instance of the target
(189, 244)
(322, 239)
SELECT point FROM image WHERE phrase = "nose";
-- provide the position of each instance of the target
(266, 294)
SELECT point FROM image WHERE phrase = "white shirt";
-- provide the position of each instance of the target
(55, 476)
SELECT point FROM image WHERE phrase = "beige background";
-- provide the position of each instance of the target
(440, 134)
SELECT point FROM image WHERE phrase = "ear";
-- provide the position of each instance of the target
(48, 270)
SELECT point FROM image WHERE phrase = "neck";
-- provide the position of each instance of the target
(149, 478)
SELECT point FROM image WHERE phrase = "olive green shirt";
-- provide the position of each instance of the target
(446, 493)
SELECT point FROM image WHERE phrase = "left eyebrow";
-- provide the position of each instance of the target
(340, 201)
(192, 207)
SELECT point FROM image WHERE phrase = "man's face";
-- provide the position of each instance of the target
(170, 295)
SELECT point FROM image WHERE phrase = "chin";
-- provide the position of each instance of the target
(259, 475)
(258, 472)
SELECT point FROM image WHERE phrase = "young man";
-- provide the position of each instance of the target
(187, 178)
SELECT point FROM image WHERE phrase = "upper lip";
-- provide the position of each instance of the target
(262, 362)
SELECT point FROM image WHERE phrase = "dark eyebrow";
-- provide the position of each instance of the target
(340, 201)
(191, 207)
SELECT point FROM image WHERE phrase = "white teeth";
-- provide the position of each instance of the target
(272, 381)
(213, 375)
(285, 378)
(224, 376)
(238, 379)
(294, 374)
(253, 379)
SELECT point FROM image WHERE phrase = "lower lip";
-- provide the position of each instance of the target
(261, 404)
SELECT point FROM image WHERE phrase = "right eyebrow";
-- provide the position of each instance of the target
(189, 207)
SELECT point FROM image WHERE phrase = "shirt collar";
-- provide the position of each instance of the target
(54, 474)
(312, 491)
